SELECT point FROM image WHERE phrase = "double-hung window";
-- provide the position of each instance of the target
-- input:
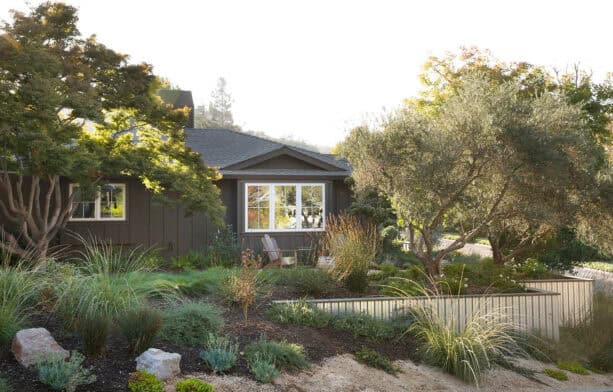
(106, 203)
(284, 207)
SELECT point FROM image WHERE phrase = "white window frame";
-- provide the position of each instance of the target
(98, 207)
(271, 212)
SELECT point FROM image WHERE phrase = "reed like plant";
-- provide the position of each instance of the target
(353, 245)
(19, 293)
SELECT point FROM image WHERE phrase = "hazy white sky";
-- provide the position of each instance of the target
(314, 68)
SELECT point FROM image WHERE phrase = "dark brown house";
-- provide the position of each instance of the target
(267, 187)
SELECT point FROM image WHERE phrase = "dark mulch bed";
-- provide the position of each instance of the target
(114, 366)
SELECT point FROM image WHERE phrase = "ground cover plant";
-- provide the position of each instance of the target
(301, 313)
(557, 374)
(62, 374)
(220, 354)
(142, 381)
(263, 367)
(573, 367)
(193, 385)
(373, 359)
(284, 355)
(190, 323)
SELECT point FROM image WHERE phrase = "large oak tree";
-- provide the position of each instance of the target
(72, 108)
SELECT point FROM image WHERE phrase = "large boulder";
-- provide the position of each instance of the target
(164, 365)
(30, 344)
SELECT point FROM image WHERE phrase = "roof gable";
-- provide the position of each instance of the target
(283, 158)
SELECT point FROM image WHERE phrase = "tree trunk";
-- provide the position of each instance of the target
(497, 254)
(34, 215)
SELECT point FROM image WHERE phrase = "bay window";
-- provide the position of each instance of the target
(284, 207)
(106, 203)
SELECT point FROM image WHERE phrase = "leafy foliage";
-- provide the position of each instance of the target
(283, 355)
(142, 381)
(373, 359)
(220, 354)
(224, 249)
(306, 281)
(353, 244)
(193, 385)
(96, 116)
(300, 313)
(190, 323)
(140, 327)
(61, 374)
(263, 368)
(364, 326)
(573, 367)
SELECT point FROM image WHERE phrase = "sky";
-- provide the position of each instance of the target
(314, 69)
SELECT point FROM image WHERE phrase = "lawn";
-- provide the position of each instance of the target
(598, 265)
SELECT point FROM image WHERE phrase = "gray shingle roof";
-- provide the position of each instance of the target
(224, 147)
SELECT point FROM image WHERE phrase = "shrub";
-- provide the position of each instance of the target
(190, 323)
(193, 385)
(454, 280)
(142, 381)
(220, 354)
(90, 305)
(140, 327)
(573, 367)
(353, 245)
(283, 355)
(61, 374)
(374, 359)
(224, 249)
(532, 269)
(557, 374)
(5, 386)
(19, 291)
(466, 354)
(244, 287)
(306, 281)
(263, 368)
(300, 313)
(364, 326)
(191, 260)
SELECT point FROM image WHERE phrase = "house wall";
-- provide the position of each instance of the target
(338, 198)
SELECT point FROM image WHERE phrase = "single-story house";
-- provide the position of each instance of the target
(267, 187)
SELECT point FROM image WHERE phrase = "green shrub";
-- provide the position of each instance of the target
(193, 385)
(102, 257)
(284, 355)
(532, 268)
(557, 374)
(454, 279)
(140, 327)
(220, 354)
(190, 323)
(61, 374)
(383, 272)
(602, 358)
(263, 368)
(300, 313)
(573, 367)
(466, 354)
(5, 386)
(306, 281)
(364, 326)
(90, 305)
(191, 260)
(224, 249)
(19, 292)
(354, 245)
(142, 381)
(374, 359)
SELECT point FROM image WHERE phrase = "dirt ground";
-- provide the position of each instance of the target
(343, 373)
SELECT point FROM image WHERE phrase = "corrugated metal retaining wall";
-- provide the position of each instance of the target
(532, 311)
(576, 297)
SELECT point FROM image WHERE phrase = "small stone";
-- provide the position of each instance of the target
(30, 344)
(164, 365)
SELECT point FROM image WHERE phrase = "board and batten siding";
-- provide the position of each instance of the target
(576, 297)
(531, 311)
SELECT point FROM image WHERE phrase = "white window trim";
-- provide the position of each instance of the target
(98, 208)
(271, 209)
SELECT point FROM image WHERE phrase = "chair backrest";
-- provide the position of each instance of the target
(271, 248)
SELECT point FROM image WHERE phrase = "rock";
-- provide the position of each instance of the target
(29, 344)
(164, 365)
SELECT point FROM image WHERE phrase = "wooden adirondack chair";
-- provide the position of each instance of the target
(276, 255)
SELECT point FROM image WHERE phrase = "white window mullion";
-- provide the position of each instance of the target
(298, 207)
(97, 208)
(271, 207)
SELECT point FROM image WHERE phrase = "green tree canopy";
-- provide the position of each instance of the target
(463, 164)
(71, 107)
